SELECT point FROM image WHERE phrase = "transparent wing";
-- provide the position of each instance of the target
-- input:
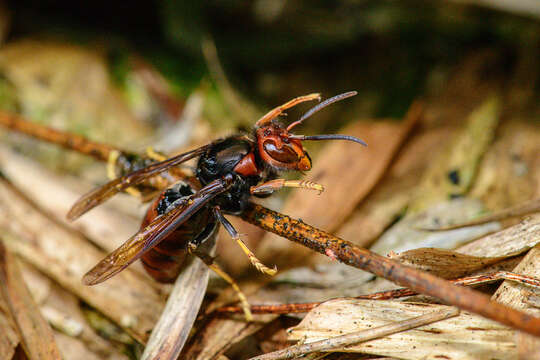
(103, 193)
(153, 233)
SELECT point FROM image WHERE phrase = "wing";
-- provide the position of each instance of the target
(152, 234)
(103, 193)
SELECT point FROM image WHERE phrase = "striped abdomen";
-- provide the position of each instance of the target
(165, 260)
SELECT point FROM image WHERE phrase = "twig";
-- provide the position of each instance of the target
(383, 295)
(466, 281)
(118, 160)
(70, 141)
(419, 281)
(359, 336)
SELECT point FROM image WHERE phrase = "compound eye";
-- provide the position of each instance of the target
(284, 155)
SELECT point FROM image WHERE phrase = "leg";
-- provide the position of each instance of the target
(236, 237)
(269, 187)
(111, 172)
(209, 261)
(272, 114)
(155, 155)
(111, 164)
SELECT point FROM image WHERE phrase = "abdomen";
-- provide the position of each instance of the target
(166, 260)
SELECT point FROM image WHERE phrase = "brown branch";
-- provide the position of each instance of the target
(125, 161)
(363, 259)
(67, 140)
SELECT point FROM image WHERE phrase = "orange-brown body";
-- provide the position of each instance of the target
(229, 172)
(166, 260)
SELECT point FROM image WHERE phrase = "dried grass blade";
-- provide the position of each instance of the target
(512, 294)
(171, 331)
(9, 338)
(475, 280)
(522, 209)
(36, 336)
(127, 299)
(105, 226)
(244, 109)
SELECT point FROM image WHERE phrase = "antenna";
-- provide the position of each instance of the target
(322, 105)
(329, 137)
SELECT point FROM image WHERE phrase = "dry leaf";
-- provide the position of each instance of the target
(74, 349)
(510, 171)
(524, 208)
(357, 337)
(38, 284)
(390, 198)
(9, 338)
(453, 172)
(464, 337)
(62, 310)
(68, 305)
(220, 334)
(444, 263)
(528, 347)
(511, 241)
(404, 235)
(104, 225)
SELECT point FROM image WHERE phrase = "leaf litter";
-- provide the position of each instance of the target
(220, 334)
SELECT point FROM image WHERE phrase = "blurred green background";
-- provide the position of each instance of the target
(272, 50)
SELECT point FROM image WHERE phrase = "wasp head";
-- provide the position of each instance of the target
(281, 149)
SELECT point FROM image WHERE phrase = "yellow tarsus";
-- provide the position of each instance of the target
(304, 184)
(277, 184)
(111, 172)
(111, 164)
(154, 155)
(243, 300)
(256, 262)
